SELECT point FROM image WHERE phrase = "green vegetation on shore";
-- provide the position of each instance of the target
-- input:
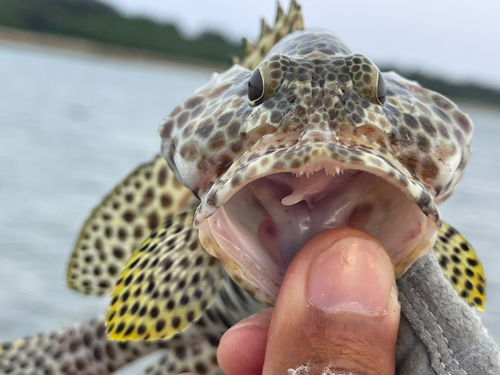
(470, 91)
(95, 21)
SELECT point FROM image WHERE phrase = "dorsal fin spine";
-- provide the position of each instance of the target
(286, 23)
(279, 12)
(264, 29)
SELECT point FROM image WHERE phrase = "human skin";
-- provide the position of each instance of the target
(337, 313)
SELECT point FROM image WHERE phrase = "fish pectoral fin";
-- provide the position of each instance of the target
(139, 203)
(167, 284)
(461, 266)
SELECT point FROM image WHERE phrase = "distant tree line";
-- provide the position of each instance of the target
(96, 21)
(470, 91)
(93, 20)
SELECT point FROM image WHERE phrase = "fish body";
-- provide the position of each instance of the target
(311, 138)
(301, 135)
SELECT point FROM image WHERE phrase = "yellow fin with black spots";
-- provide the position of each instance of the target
(285, 24)
(167, 284)
(125, 217)
(461, 266)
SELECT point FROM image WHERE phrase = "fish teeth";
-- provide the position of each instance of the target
(334, 171)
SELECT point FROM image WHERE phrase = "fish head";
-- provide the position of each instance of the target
(315, 137)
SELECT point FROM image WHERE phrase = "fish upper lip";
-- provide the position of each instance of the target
(323, 155)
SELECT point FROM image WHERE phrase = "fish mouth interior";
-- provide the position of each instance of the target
(264, 224)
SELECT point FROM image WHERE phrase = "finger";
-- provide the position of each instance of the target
(337, 310)
(242, 348)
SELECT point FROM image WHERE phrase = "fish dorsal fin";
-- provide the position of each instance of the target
(167, 284)
(461, 266)
(125, 217)
(285, 24)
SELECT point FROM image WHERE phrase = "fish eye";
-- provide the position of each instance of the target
(256, 87)
(381, 88)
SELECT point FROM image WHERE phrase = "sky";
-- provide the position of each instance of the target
(455, 39)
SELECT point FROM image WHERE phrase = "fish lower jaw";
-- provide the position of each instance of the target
(260, 228)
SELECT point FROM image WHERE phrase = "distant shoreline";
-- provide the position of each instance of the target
(83, 47)
(80, 46)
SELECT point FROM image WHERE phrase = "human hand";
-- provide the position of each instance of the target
(337, 313)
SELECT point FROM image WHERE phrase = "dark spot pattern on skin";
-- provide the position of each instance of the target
(217, 141)
(129, 216)
(442, 102)
(441, 114)
(233, 129)
(160, 325)
(224, 119)
(189, 151)
(167, 129)
(162, 176)
(166, 201)
(193, 102)
(405, 134)
(480, 289)
(205, 129)
(118, 253)
(463, 122)
(275, 116)
(182, 119)
(458, 135)
(356, 118)
(427, 126)
(411, 121)
(472, 262)
(443, 131)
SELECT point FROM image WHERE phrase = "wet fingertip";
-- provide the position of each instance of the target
(242, 350)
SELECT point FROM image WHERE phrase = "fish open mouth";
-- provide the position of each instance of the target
(256, 228)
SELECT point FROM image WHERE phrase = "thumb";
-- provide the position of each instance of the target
(337, 311)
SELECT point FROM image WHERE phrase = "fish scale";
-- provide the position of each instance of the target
(158, 295)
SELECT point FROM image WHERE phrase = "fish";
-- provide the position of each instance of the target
(308, 137)
(299, 136)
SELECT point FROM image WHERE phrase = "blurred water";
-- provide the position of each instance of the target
(72, 126)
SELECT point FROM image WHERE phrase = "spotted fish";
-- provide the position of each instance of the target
(313, 136)
(301, 135)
